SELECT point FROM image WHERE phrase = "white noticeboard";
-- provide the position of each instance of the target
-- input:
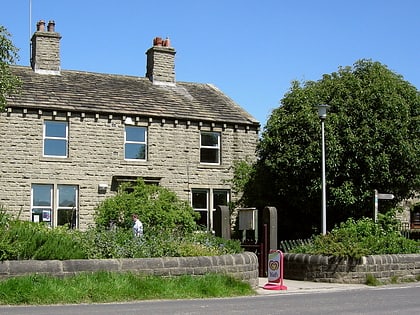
(248, 219)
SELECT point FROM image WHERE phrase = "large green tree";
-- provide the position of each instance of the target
(9, 83)
(372, 136)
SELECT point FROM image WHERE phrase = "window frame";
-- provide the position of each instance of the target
(199, 209)
(42, 213)
(210, 202)
(130, 142)
(46, 138)
(50, 213)
(225, 192)
(206, 147)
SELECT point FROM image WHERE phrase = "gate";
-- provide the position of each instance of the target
(256, 238)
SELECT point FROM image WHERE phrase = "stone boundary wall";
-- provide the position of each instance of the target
(242, 266)
(331, 269)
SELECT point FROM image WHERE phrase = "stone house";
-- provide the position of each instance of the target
(70, 138)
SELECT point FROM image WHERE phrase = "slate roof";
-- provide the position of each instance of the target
(79, 91)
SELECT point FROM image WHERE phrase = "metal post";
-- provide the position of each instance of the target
(375, 205)
(324, 192)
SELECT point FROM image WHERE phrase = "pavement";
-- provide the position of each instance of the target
(296, 286)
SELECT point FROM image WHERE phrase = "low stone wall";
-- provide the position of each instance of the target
(330, 269)
(241, 266)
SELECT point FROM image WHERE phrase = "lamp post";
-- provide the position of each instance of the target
(322, 113)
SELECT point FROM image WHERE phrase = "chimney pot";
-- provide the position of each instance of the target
(160, 67)
(167, 42)
(157, 41)
(40, 26)
(51, 26)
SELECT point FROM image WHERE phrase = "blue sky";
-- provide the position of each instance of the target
(251, 50)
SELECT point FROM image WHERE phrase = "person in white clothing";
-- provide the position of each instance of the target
(138, 226)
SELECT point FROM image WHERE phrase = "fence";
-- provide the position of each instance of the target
(288, 245)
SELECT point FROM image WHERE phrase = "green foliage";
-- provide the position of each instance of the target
(354, 239)
(100, 243)
(156, 206)
(372, 134)
(22, 240)
(372, 280)
(9, 83)
(243, 172)
(120, 243)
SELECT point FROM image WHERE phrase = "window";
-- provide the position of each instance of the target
(66, 207)
(64, 211)
(205, 199)
(135, 143)
(55, 138)
(220, 198)
(210, 147)
(200, 201)
(42, 203)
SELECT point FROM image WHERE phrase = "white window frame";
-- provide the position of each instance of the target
(49, 213)
(65, 138)
(39, 213)
(217, 147)
(226, 191)
(136, 142)
(210, 192)
(206, 208)
(59, 208)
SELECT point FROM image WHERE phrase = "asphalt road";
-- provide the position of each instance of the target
(391, 299)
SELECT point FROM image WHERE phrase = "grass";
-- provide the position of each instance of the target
(106, 287)
(372, 280)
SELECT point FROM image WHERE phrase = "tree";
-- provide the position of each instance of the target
(9, 83)
(372, 136)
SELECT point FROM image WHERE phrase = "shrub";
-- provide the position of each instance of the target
(372, 280)
(120, 243)
(22, 240)
(360, 238)
(156, 206)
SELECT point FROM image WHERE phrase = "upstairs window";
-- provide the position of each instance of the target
(55, 138)
(210, 147)
(135, 143)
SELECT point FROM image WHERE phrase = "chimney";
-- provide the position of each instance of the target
(45, 55)
(161, 62)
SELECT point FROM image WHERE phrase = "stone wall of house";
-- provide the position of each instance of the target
(329, 269)
(96, 154)
(241, 266)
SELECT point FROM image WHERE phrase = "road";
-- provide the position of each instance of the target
(391, 299)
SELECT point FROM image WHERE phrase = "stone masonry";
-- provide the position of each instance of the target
(241, 266)
(96, 154)
(329, 269)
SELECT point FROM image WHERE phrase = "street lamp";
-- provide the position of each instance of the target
(322, 113)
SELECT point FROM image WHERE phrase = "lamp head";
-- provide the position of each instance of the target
(322, 111)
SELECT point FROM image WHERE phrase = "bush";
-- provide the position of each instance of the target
(354, 239)
(120, 243)
(156, 206)
(22, 240)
